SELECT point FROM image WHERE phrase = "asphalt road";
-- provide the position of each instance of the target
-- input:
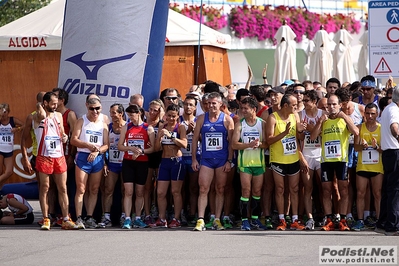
(27, 245)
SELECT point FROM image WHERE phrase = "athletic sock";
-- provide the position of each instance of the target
(244, 202)
(255, 207)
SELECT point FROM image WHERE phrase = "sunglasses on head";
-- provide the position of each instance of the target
(299, 92)
(95, 108)
(171, 98)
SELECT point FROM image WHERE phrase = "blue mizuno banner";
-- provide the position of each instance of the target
(112, 48)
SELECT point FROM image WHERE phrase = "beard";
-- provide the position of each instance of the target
(49, 109)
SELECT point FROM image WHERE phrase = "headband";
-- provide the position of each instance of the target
(368, 83)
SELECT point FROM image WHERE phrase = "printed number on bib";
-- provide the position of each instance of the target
(7, 139)
(370, 156)
(53, 144)
(289, 145)
(115, 156)
(311, 144)
(332, 149)
(250, 136)
(187, 151)
(213, 141)
(139, 143)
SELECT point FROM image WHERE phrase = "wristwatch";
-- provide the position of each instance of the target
(230, 161)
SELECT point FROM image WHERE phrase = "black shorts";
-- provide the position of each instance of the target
(33, 162)
(154, 159)
(267, 161)
(286, 169)
(25, 219)
(134, 172)
(367, 174)
(328, 169)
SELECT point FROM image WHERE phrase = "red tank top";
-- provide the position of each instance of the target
(137, 136)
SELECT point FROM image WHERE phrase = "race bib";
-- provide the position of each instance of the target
(250, 136)
(94, 137)
(187, 151)
(311, 144)
(115, 155)
(332, 149)
(213, 141)
(53, 145)
(135, 143)
(289, 145)
(370, 156)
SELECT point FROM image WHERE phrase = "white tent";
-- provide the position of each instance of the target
(42, 30)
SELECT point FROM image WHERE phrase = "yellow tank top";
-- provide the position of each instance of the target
(284, 151)
(370, 160)
(33, 136)
(335, 141)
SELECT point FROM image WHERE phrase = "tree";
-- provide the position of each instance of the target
(13, 9)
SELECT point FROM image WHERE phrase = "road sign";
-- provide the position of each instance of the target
(384, 38)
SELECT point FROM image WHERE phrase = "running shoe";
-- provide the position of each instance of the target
(183, 219)
(245, 226)
(122, 220)
(148, 220)
(200, 226)
(227, 223)
(359, 226)
(268, 223)
(80, 224)
(91, 223)
(105, 223)
(282, 225)
(69, 225)
(370, 222)
(309, 224)
(329, 225)
(159, 223)
(174, 223)
(58, 221)
(350, 222)
(210, 223)
(138, 223)
(288, 220)
(46, 224)
(343, 226)
(217, 225)
(127, 224)
(257, 224)
(191, 220)
(296, 225)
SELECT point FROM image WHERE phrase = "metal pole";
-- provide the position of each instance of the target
(199, 47)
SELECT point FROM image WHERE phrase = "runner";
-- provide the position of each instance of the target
(90, 136)
(248, 139)
(215, 129)
(49, 131)
(136, 141)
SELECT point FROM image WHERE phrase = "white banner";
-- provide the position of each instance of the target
(112, 48)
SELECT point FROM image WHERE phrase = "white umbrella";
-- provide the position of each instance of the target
(320, 58)
(284, 55)
(343, 65)
(363, 62)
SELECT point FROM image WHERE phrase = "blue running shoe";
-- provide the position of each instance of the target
(358, 226)
(257, 224)
(127, 224)
(138, 223)
(245, 226)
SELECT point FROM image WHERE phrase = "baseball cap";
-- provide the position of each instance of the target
(278, 89)
(288, 82)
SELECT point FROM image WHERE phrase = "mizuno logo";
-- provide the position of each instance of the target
(90, 68)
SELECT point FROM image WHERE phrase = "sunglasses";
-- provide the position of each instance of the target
(95, 108)
(171, 98)
(367, 88)
(299, 92)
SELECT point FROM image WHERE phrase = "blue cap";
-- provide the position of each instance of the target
(288, 82)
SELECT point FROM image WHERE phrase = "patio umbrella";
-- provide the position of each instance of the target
(284, 55)
(342, 56)
(363, 62)
(320, 57)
